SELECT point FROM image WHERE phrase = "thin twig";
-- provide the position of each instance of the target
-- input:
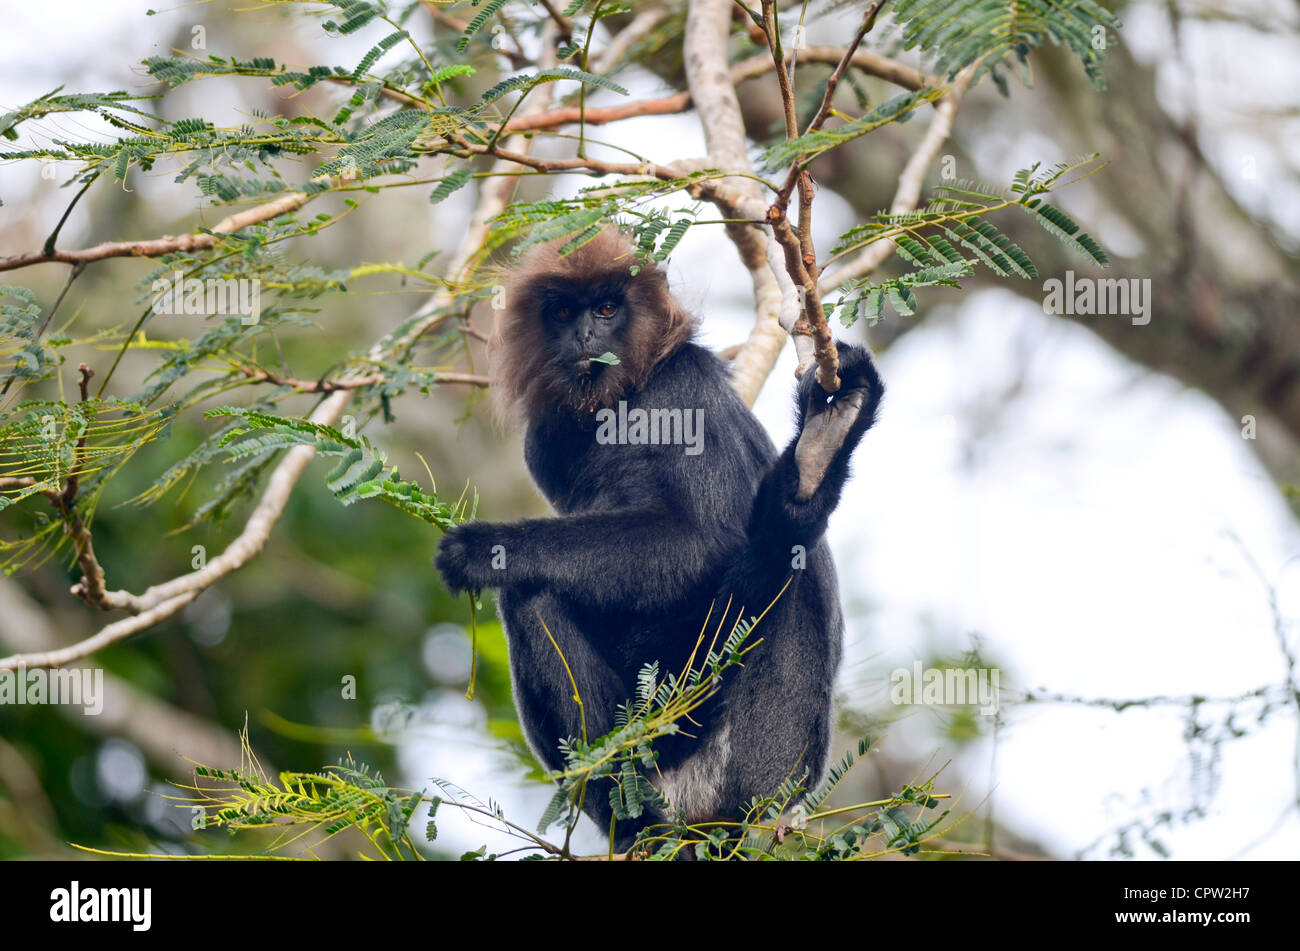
(908, 193)
(752, 68)
(824, 110)
(48, 247)
(800, 254)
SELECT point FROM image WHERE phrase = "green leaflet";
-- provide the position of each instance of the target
(807, 147)
(950, 237)
(453, 182)
(378, 50)
(962, 32)
(489, 10)
(359, 473)
(549, 76)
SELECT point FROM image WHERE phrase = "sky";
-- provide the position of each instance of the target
(1099, 529)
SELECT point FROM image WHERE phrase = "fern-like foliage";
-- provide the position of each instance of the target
(44, 443)
(359, 473)
(953, 235)
(807, 147)
(625, 756)
(305, 809)
(113, 107)
(961, 32)
(451, 184)
(530, 82)
(23, 359)
(375, 52)
(487, 11)
(790, 823)
(654, 232)
(383, 147)
(313, 806)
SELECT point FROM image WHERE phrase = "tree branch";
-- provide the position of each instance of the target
(158, 728)
(800, 254)
(880, 66)
(565, 115)
(111, 634)
(351, 383)
(562, 22)
(152, 248)
(620, 45)
(776, 300)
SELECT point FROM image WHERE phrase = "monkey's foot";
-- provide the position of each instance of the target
(833, 422)
(822, 438)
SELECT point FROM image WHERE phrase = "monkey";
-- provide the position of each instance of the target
(649, 538)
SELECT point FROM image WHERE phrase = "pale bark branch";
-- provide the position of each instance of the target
(168, 244)
(110, 634)
(714, 95)
(622, 42)
(157, 728)
(163, 600)
(600, 115)
(352, 383)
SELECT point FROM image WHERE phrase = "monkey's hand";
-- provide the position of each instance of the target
(466, 556)
(833, 422)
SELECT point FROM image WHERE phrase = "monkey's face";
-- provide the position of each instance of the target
(565, 314)
(582, 324)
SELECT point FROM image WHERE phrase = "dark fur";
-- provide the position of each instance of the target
(648, 537)
(525, 382)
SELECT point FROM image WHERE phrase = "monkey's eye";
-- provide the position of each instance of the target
(607, 309)
(561, 312)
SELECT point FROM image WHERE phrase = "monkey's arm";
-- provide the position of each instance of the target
(797, 495)
(638, 559)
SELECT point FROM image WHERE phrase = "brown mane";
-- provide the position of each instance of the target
(523, 383)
